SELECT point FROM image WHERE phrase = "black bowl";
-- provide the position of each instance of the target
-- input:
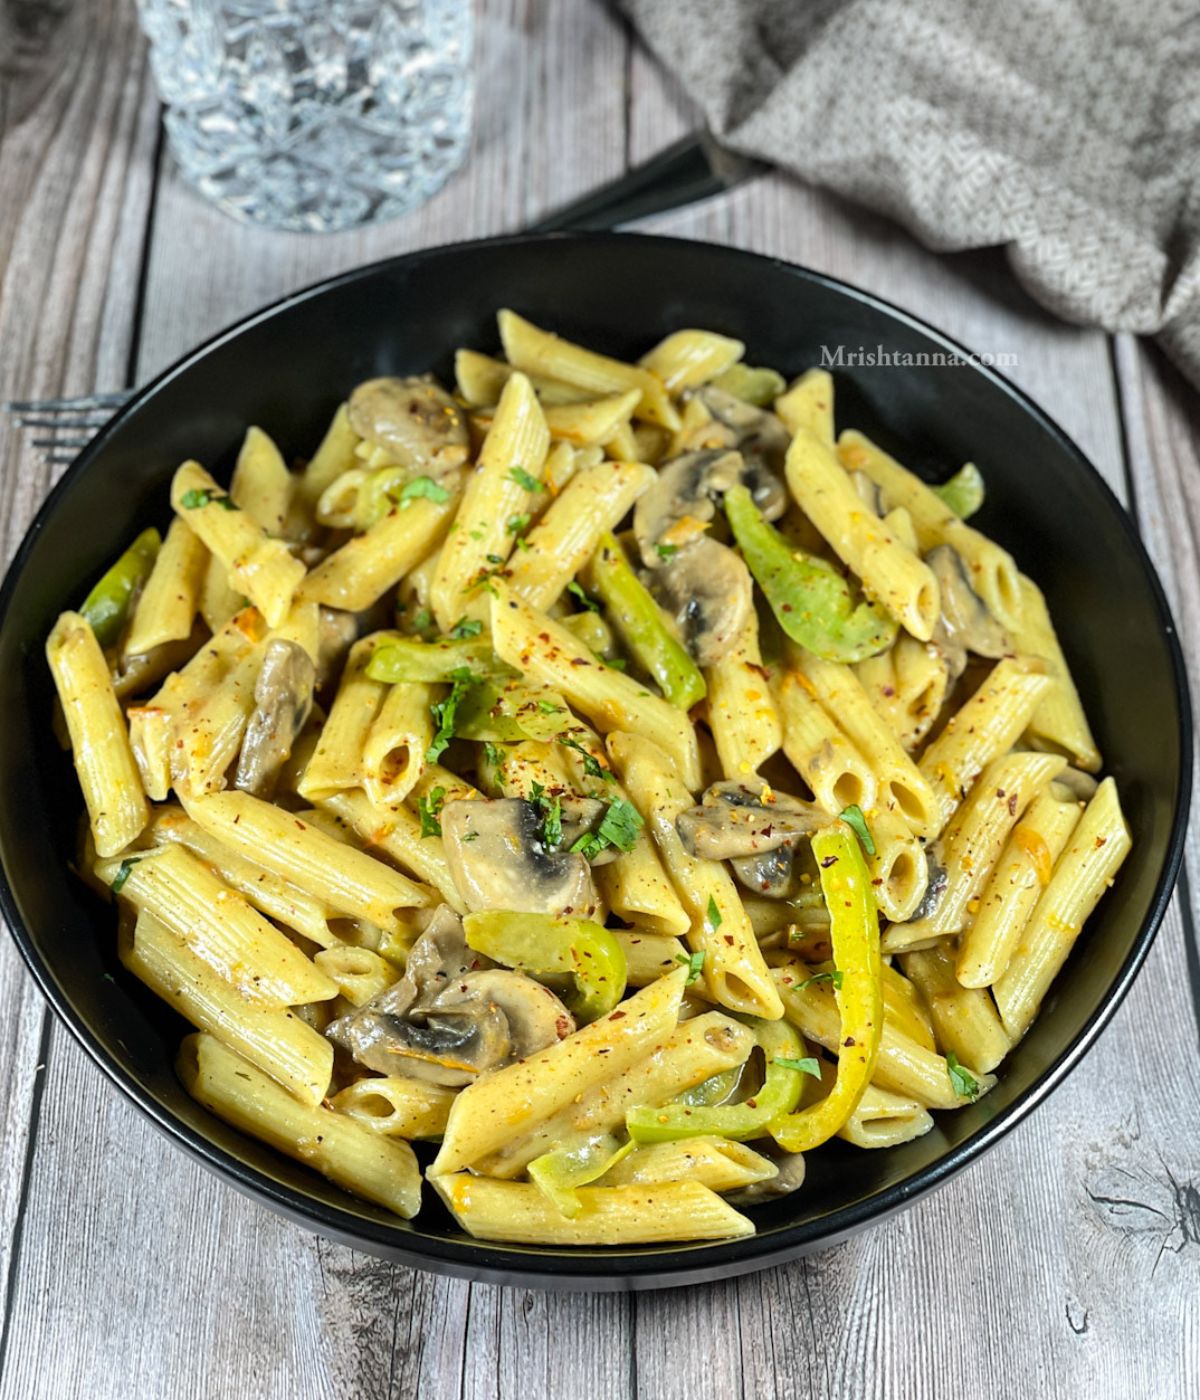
(286, 369)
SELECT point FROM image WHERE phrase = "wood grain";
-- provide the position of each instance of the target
(1066, 1263)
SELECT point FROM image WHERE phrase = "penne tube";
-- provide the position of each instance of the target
(548, 654)
(899, 868)
(593, 502)
(903, 1066)
(734, 971)
(1093, 855)
(648, 956)
(829, 763)
(262, 484)
(348, 880)
(991, 569)
(808, 406)
(891, 574)
(509, 1103)
(166, 609)
(336, 762)
(588, 423)
(219, 601)
(354, 577)
(454, 788)
(359, 973)
(218, 926)
(900, 785)
(694, 1051)
(105, 764)
(518, 1213)
(378, 1168)
(904, 1009)
(207, 739)
(334, 456)
(480, 380)
(274, 1039)
(987, 725)
(1059, 720)
(338, 505)
(1021, 874)
(689, 358)
(536, 351)
(635, 887)
(965, 1019)
(261, 568)
(393, 752)
(715, 1162)
(505, 484)
(396, 832)
(971, 844)
(884, 1119)
(395, 1106)
(269, 894)
(742, 714)
(906, 686)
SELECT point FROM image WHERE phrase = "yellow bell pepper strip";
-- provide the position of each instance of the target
(810, 598)
(107, 605)
(546, 946)
(780, 1093)
(403, 659)
(964, 492)
(644, 630)
(556, 1174)
(854, 933)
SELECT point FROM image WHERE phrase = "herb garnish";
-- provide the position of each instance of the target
(429, 809)
(466, 627)
(835, 977)
(524, 480)
(584, 596)
(854, 819)
(694, 962)
(206, 496)
(421, 487)
(714, 914)
(123, 873)
(591, 765)
(808, 1065)
(962, 1081)
(445, 712)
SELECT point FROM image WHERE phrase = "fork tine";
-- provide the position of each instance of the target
(62, 420)
(68, 405)
(69, 444)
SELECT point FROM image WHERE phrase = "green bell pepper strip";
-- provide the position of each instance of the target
(639, 620)
(780, 1093)
(760, 387)
(546, 946)
(107, 605)
(964, 492)
(810, 599)
(556, 1174)
(854, 932)
(500, 712)
(402, 659)
(711, 1091)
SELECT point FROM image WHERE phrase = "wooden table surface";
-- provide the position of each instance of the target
(1065, 1263)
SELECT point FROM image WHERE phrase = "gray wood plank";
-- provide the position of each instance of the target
(270, 1309)
(76, 139)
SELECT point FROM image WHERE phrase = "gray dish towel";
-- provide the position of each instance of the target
(1067, 131)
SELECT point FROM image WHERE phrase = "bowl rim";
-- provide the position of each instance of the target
(640, 1267)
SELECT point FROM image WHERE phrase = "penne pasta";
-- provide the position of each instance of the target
(829, 763)
(742, 714)
(395, 1106)
(808, 406)
(167, 607)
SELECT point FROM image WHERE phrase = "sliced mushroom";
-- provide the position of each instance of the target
(709, 592)
(687, 489)
(790, 1178)
(336, 631)
(735, 820)
(965, 624)
(414, 420)
(869, 492)
(757, 433)
(282, 700)
(498, 860)
(938, 880)
(770, 873)
(453, 1015)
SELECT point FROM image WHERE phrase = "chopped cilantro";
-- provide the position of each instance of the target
(493, 756)
(835, 977)
(584, 596)
(714, 914)
(123, 873)
(477, 535)
(548, 707)
(694, 962)
(963, 1082)
(524, 480)
(422, 487)
(552, 829)
(854, 819)
(590, 765)
(428, 809)
(666, 551)
(422, 619)
(808, 1065)
(466, 627)
(206, 496)
(622, 824)
(445, 711)
(517, 524)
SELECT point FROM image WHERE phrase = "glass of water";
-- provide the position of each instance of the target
(314, 115)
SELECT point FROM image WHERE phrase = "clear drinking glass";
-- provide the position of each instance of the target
(313, 115)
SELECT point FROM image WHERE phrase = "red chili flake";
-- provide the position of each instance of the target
(828, 861)
(1101, 841)
(849, 1041)
(1012, 805)
(579, 661)
(617, 1016)
(889, 691)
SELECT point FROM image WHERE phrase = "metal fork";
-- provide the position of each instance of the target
(694, 168)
